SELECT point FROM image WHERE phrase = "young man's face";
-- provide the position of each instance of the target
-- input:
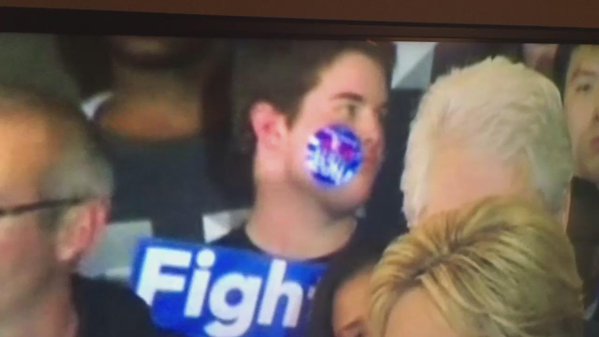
(581, 101)
(352, 91)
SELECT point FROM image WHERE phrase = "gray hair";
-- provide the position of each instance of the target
(81, 171)
(499, 107)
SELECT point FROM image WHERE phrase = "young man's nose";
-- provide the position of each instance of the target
(371, 131)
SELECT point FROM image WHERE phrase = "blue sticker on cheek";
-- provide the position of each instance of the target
(334, 156)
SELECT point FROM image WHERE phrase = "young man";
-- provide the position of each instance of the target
(283, 93)
(53, 207)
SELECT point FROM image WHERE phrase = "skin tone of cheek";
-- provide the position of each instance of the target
(350, 306)
(416, 315)
(26, 261)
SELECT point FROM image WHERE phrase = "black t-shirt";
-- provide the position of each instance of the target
(239, 239)
(110, 310)
(165, 182)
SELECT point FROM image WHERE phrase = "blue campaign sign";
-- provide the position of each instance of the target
(197, 290)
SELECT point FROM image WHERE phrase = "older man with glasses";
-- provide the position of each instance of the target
(54, 201)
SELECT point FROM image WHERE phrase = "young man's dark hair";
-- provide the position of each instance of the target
(283, 71)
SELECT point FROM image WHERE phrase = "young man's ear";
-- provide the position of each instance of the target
(269, 125)
(81, 229)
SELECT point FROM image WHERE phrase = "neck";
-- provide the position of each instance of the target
(155, 103)
(294, 225)
(52, 315)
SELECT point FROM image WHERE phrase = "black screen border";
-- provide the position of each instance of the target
(95, 22)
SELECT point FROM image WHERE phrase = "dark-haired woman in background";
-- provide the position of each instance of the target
(341, 301)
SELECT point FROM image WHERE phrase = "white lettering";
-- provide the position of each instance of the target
(329, 165)
(199, 283)
(153, 280)
(227, 304)
(241, 314)
(276, 288)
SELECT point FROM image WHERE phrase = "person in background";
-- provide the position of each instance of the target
(165, 124)
(449, 55)
(165, 121)
(499, 267)
(55, 199)
(284, 91)
(577, 75)
(473, 137)
(340, 306)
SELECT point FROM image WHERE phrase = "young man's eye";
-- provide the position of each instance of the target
(352, 110)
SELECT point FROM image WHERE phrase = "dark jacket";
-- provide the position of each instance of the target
(106, 309)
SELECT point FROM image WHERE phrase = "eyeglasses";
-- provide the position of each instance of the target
(40, 205)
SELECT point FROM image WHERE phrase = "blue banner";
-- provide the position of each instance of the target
(196, 290)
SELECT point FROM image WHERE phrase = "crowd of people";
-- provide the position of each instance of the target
(204, 141)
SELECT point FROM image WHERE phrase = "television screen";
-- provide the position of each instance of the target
(240, 181)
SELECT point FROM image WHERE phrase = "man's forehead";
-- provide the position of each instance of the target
(26, 149)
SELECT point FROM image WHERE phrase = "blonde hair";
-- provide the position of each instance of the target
(497, 107)
(499, 268)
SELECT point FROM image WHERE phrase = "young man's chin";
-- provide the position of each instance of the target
(347, 199)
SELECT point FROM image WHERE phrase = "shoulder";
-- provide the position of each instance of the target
(110, 308)
(380, 237)
(237, 238)
(96, 291)
(591, 328)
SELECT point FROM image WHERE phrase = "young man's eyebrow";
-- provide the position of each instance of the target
(358, 98)
(349, 96)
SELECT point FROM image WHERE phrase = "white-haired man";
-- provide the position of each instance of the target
(493, 128)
